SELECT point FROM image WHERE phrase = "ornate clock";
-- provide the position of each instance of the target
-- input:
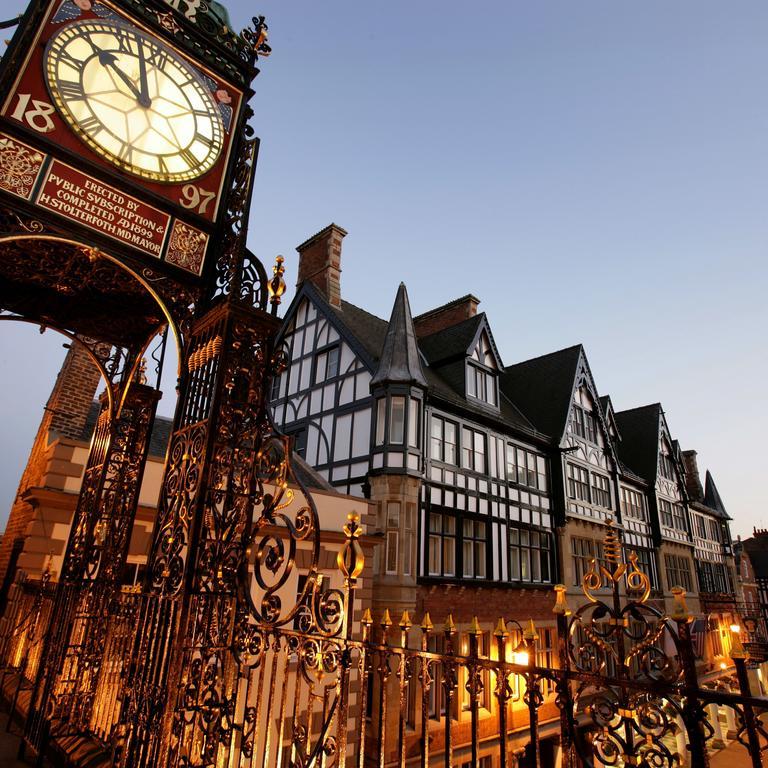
(134, 101)
(124, 123)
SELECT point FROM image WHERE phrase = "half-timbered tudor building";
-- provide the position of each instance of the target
(647, 449)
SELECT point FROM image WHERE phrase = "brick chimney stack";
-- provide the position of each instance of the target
(65, 415)
(446, 316)
(320, 262)
(692, 479)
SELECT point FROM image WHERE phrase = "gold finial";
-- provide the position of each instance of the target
(367, 619)
(426, 623)
(350, 558)
(405, 622)
(530, 631)
(449, 626)
(501, 629)
(737, 649)
(611, 543)
(679, 608)
(386, 621)
(276, 286)
(474, 627)
(561, 604)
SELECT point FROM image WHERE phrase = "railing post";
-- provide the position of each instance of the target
(563, 685)
(404, 678)
(502, 689)
(739, 657)
(474, 685)
(693, 712)
(449, 686)
(532, 695)
(426, 677)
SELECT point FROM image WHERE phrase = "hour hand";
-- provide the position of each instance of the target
(107, 59)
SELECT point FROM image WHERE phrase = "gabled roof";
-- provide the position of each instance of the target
(639, 447)
(712, 497)
(451, 343)
(366, 334)
(400, 361)
(542, 388)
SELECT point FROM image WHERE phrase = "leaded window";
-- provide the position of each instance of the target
(393, 536)
(583, 423)
(583, 551)
(601, 491)
(327, 364)
(529, 555)
(633, 504)
(443, 440)
(526, 467)
(442, 544)
(678, 572)
(473, 549)
(473, 450)
(578, 483)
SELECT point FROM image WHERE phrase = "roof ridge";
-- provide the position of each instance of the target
(467, 320)
(546, 354)
(639, 408)
(451, 303)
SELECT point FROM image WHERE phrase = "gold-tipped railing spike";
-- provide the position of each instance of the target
(386, 620)
(449, 627)
(501, 629)
(405, 622)
(530, 632)
(426, 623)
(679, 608)
(561, 603)
(367, 619)
(737, 649)
(474, 627)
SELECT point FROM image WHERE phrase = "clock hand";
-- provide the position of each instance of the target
(107, 59)
(144, 99)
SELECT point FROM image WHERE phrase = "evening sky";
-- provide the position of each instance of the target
(593, 171)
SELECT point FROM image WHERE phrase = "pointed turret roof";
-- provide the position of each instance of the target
(399, 362)
(712, 497)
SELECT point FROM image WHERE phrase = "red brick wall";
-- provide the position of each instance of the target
(487, 603)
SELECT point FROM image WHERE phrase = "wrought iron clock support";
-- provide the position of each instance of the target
(96, 550)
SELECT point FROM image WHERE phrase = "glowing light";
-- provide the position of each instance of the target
(520, 657)
(723, 665)
(735, 628)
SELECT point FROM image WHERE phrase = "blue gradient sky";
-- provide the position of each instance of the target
(595, 172)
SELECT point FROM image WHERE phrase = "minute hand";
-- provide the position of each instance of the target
(144, 99)
(107, 59)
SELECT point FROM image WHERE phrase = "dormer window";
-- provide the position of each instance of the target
(583, 424)
(666, 467)
(482, 373)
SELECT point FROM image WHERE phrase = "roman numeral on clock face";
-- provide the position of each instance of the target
(90, 124)
(70, 90)
(188, 157)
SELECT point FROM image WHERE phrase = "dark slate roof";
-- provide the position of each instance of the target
(757, 549)
(542, 388)
(639, 447)
(446, 382)
(368, 329)
(400, 361)
(712, 498)
(450, 343)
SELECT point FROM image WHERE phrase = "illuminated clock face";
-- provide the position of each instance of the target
(134, 101)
